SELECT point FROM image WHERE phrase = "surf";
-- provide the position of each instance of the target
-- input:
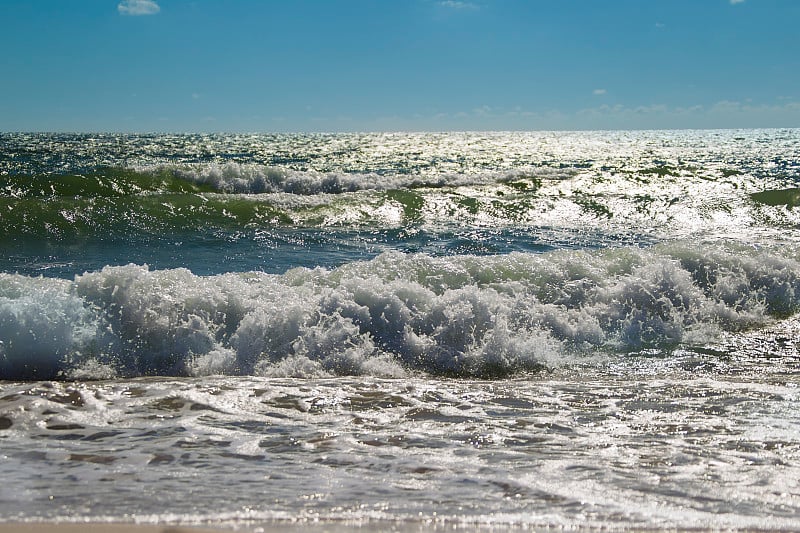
(394, 314)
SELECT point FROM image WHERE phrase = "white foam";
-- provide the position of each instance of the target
(455, 315)
(42, 327)
(251, 178)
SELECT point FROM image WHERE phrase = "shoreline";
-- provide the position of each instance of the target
(98, 527)
(270, 527)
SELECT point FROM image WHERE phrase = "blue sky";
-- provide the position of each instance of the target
(314, 65)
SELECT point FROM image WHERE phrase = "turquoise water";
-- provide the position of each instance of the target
(591, 329)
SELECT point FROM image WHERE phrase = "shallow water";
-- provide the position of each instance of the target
(584, 448)
(496, 330)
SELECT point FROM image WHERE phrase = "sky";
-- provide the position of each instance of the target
(397, 65)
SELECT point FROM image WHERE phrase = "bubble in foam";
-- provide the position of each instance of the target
(43, 327)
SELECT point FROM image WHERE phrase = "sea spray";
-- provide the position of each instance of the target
(463, 316)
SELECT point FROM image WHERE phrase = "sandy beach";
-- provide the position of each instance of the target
(42, 527)
(49, 527)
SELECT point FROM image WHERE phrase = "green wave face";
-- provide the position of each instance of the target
(116, 203)
(102, 183)
(116, 212)
(111, 203)
(783, 197)
(68, 218)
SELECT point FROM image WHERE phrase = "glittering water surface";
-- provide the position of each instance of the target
(419, 330)
(586, 449)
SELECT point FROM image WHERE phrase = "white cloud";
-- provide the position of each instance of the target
(138, 7)
(599, 92)
(734, 2)
(457, 4)
(722, 114)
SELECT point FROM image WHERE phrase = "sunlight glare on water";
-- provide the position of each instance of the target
(452, 330)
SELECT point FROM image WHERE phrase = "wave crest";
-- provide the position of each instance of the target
(466, 316)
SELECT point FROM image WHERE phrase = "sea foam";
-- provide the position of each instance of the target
(233, 177)
(465, 315)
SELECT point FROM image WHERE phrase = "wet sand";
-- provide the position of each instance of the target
(43, 527)
(324, 527)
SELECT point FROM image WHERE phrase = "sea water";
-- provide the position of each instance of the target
(577, 330)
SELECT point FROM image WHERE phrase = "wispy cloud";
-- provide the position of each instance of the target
(599, 92)
(457, 4)
(138, 7)
(723, 114)
(734, 2)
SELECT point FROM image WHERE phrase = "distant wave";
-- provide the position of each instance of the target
(464, 316)
(256, 179)
(114, 203)
(238, 178)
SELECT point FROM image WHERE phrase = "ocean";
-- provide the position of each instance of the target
(415, 331)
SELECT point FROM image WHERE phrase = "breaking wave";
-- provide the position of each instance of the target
(461, 316)
(116, 203)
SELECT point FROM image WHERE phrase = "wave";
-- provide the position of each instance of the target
(461, 316)
(108, 218)
(110, 203)
(242, 178)
(114, 203)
